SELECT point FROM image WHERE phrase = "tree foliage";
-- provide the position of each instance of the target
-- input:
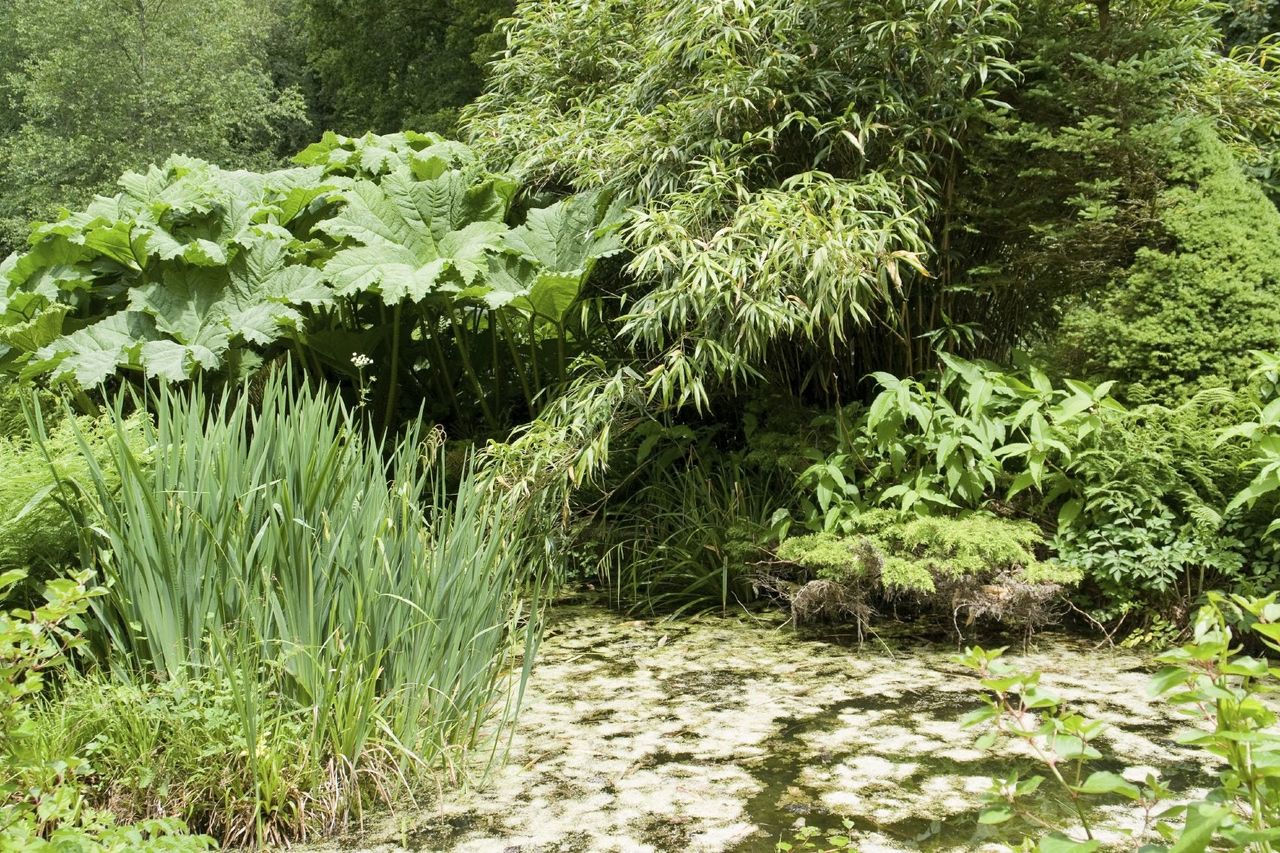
(1191, 307)
(1079, 176)
(94, 88)
(786, 160)
(388, 65)
(820, 195)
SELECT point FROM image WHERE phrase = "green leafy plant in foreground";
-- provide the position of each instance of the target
(1228, 697)
(43, 806)
(179, 749)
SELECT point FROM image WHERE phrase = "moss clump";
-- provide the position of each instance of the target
(1057, 573)
(981, 564)
(833, 557)
(956, 548)
(905, 574)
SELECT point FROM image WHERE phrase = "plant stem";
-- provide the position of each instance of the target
(394, 374)
(460, 336)
(442, 369)
(515, 361)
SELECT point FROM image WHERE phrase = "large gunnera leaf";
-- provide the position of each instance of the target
(407, 239)
(551, 255)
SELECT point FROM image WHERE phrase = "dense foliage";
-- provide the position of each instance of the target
(386, 65)
(960, 310)
(37, 533)
(948, 172)
(397, 251)
(41, 792)
(1188, 311)
(92, 89)
(351, 614)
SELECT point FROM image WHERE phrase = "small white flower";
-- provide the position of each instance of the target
(360, 360)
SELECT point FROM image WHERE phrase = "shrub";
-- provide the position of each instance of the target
(1154, 522)
(397, 250)
(42, 805)
(978, 564)
(1139, 495)
(1187, 312)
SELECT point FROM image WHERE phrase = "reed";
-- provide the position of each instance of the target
(320, 572)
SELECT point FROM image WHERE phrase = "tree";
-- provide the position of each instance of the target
(1247, 22)
(390, 65)
(100, 86)
(824, 190)
(1189, 311)
(1118, 192)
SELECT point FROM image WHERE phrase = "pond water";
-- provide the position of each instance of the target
(720, 733)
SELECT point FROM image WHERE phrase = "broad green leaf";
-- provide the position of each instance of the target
(569, 235)
(1058, 843)
(252, 300)
(413, 239)
(51, 266)
(1102, 782)
(1203, 821)
(995, 814)
(93, 353)
(176, 362)
(42, 330)
(551, 296)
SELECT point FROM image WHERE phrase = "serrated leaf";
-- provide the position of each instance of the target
(408, 239)
(93, 353)
(569, 235)
(175, 362)
(42, 330)
(203, 309)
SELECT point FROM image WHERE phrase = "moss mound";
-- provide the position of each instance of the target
(978, 566)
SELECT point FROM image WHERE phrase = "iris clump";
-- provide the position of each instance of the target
(351, 612)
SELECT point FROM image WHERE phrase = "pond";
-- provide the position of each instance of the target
(721, 733)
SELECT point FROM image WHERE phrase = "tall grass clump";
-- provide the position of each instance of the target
(350, 605)
(682, 538)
